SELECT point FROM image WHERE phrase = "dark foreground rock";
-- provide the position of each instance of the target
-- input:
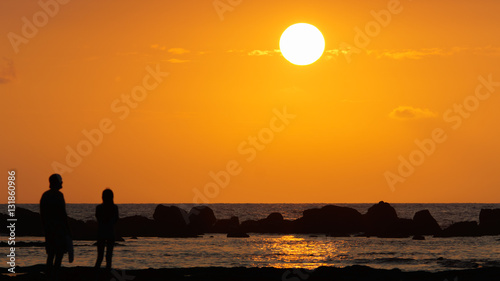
(351, 273)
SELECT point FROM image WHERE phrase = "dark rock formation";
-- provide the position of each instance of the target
(201, 219)
(171, 221)
(171, 215)
(381, 220)
(273, 223)
(461, 229)
(81, 230)
(237, 235)
(226, 225)
(330, 219)
(32, 226)
(382, 212)
(425, 224)
(136, 226)
(249, 226)
(418, 237)
(29, 223)
(489, 221)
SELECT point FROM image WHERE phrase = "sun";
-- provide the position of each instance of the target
(302, 44)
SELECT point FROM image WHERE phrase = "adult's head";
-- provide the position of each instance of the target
(107, 196)
(55, 181)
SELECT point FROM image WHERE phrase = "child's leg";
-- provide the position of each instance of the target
(109, 253)
(100, 253)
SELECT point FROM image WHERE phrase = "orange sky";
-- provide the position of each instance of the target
(354, 113)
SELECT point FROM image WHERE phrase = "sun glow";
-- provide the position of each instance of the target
(302, 44)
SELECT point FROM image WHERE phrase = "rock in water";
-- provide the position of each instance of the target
(226, 225)
(418, 237)
(425, 224)
(137, 226)
(170, 221)
(237, 235)
(489, 221)
(461, 229)
(381, 220)
(330, 219)
(382, 212)
(201, 219)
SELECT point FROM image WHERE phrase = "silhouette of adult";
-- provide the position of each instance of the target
(107, 216)
(55, 224)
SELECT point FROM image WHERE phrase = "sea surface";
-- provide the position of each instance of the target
(285, 251)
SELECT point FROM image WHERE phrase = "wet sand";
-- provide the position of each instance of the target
(352, 273)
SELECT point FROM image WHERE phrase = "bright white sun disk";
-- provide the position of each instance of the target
(302, 44)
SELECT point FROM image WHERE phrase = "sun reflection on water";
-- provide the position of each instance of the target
(290, 251)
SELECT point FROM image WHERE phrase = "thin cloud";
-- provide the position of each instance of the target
(176, 61)
(411, 113)
(7, 71)
(175, 51)
(411, 54)
(335, 53)
(158, 47)
(178, 51)
(486, 51)
(416, 54)
(263, 52)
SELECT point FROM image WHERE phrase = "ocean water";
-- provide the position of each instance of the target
(445, 214)
(287, 251)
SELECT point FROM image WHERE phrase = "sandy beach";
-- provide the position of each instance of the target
(352, 273)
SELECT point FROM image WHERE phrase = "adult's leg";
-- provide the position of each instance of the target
(100, 253)
(49, 249)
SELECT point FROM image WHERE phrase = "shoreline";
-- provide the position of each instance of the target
(352, 273)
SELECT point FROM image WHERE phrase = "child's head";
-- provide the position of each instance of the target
(107, 196)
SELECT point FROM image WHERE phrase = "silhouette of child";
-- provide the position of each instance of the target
(107, 216)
